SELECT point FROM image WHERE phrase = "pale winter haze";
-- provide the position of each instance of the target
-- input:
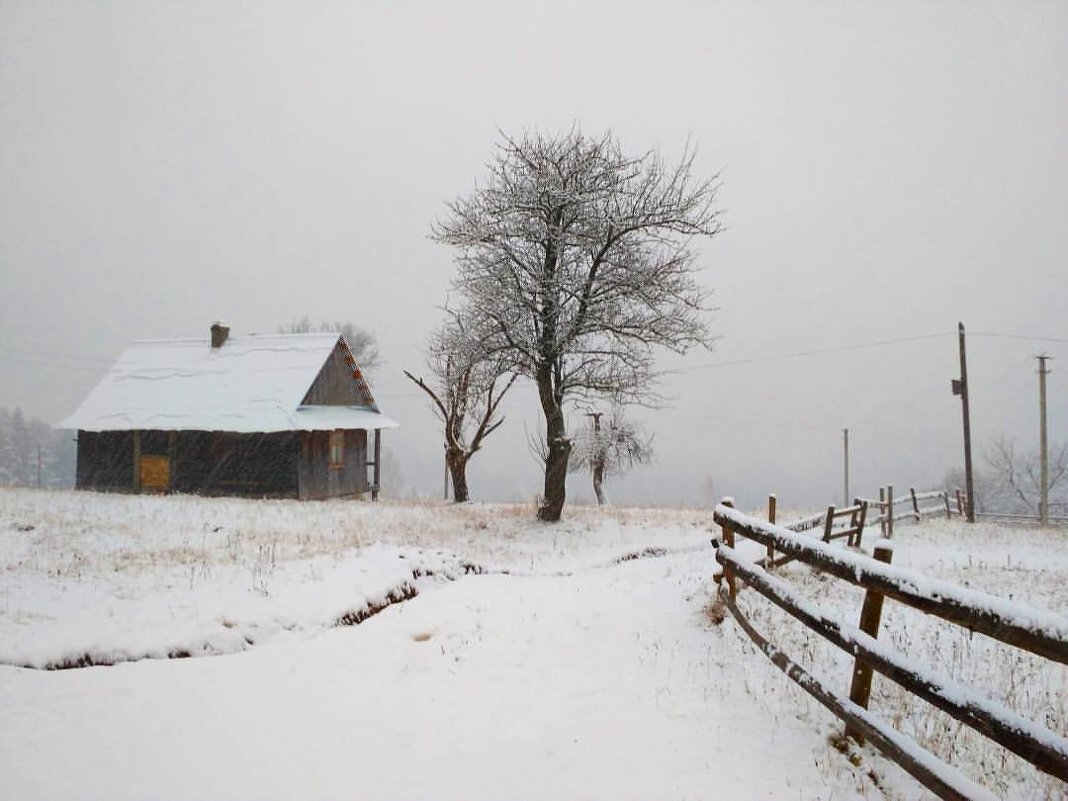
(886, 172)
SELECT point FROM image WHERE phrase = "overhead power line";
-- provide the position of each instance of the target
(1018, 336)
(814, 352)
(857, 346)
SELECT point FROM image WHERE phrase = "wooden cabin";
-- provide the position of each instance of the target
(264, 415)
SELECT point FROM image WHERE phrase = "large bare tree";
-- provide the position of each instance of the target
(465, 391)
(577, 258)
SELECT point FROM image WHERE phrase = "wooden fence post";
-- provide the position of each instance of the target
(870, 616)
(960, 503)
(949, 512)
(136, 461)
(728, 537)
(773, 503)
(828, 524)
(882, 511)
(889, 511)
(860, 517)
(915, 503)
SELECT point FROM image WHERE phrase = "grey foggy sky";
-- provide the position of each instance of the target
(887, 171)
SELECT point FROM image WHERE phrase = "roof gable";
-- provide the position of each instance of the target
(253, 383)
(340, 382)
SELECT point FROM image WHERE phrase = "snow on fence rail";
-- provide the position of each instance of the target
(1037, 631)
(887, 505)
(836, 524)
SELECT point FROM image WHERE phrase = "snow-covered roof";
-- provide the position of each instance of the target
(253, 383)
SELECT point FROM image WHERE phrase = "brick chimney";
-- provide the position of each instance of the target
(219, 333)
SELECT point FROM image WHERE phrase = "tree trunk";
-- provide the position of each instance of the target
(598, 480)
(559, 450)
(458, 473)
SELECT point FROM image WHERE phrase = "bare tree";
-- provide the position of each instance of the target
(1015, 481)
(577, 258)
(466, 390)
(361, 342)
(608, 449)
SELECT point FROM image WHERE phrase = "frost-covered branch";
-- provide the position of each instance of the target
(468, 383)
(579, 262)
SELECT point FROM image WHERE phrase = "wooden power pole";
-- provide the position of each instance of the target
(960, 387)
(1043, 445)
(845, 466)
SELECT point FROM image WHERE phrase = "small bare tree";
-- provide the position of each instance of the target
(466, 389)
(1015, 481)
(608, 449)
(576, 256)
(362, 343)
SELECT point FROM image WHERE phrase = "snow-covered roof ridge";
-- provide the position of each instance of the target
(252, 383)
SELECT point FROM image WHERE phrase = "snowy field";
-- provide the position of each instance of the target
(494, 657)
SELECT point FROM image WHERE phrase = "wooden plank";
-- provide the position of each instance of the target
(871, 613)
(136, 461)
(773, 503)
(172, 454)
(155, 473)
(728, 537)
(378, 465)
(950, 602)
(943, 780)
(861, 519)
(1041, 747)
(828, 524)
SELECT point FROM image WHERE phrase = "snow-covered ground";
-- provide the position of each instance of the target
(507, 659)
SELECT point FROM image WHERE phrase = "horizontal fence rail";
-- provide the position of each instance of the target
(931, 772)
(1034, 630)
(888, 513)
(1039, 746)
(1040, 632)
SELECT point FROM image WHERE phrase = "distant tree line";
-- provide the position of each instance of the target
(32, 453)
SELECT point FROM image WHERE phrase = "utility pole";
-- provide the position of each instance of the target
(845, 473)
(1043, 448)
(960, 387)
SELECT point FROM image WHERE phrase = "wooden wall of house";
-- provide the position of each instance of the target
(105, 461)
(277, 465)
(320, 479)
(339, 383)
(227, 463)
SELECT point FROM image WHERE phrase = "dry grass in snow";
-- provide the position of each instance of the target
(579, 664)
(1026, 564)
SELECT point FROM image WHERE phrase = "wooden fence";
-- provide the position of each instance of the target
(888, 511)
(1033, 630)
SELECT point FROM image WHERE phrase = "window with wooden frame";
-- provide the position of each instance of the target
(336, 449)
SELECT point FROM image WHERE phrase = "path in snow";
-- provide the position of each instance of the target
(602, 684)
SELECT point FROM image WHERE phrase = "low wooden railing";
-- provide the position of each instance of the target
(1036, 631)
(886, 506)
